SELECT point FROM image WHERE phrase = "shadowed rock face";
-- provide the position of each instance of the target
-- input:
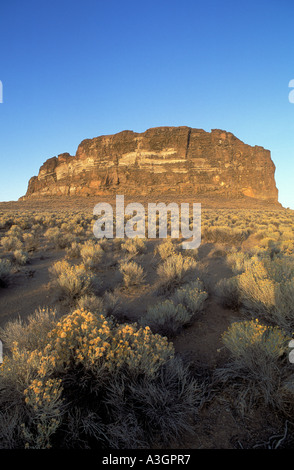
(164, 160)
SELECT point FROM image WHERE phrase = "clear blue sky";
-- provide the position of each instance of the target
(78, 69)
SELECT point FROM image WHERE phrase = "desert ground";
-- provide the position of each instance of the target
(137, 343)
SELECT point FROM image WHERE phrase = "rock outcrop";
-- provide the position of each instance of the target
(164, 160)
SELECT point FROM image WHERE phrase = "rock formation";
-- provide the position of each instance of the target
(164, 160)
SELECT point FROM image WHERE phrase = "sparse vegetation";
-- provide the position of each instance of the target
(123, 327)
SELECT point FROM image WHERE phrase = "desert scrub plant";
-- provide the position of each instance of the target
(72, 282)
(174, 271)
(267, 289)
(134, 246)
(29, 334)
(257, 369)
(20, 257)
(224, 234)
(112, 303)
(11, 243)
(5, 272)
(166, 249)
(227, 290)
(91, 303)
(73, 251)
(166, 318)
(96, 384)
(91, 253)
(31, 241)
(58, 238)
(133, 273)
(192, 296)
(15, 231)
(238, 261)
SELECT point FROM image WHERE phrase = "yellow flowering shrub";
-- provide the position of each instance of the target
(95, 341)
(82, 384)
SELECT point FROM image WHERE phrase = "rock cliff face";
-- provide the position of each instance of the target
(164, 160)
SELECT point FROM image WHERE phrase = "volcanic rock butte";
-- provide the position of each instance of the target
(164, 160)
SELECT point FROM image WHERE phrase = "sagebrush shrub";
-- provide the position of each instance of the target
(133, 273)
(91, 303)
(20, 257)
(71, 282)
(256, 372)
(74, 250)
(166, 249)
(238, 261)
(58, 238)
(173, 271)
(267, 288)
(166, 318)
(15, 231)
(91, 254)
(11, 243)
(192, 296)
(224, 234)
(31, 241)
(134, 246)
(227, 290)
(31, 333)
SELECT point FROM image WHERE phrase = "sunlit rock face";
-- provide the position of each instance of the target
(162, 160)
